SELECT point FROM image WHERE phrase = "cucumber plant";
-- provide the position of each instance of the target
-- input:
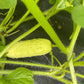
(12, 50)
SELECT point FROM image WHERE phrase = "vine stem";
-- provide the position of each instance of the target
(31, 64)
(73, 75)
(19, 22)
(69, 54)
(9, 15)
(3, 39)
(53, 76)
(83, 2)
(2, 65)
(36, 12)
(41, 73)
(71, 1)
(73, 41)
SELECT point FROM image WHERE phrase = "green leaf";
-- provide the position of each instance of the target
(2, 81)
(77, 2)
(6, 4)
(78, 15)
(69, 9)
(19, 76)
(52, 1)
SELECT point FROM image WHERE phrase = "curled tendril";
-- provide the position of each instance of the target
(4, 13)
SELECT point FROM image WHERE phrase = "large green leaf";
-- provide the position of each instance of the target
(78, 15)
(19, 76)
(77, 2)
(6, 4)
(2, 81)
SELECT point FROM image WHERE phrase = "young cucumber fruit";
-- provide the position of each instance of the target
(30, 48)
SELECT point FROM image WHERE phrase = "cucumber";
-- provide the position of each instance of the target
(30, 48)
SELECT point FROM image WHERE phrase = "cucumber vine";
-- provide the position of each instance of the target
(74, 7)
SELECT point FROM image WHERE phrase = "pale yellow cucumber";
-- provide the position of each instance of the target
(30, 48)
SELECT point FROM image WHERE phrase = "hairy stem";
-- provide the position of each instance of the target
(9, 15)
(18, 23)
(30, 64)
(69, 54)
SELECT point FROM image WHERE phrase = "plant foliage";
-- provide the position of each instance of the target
(7, 4)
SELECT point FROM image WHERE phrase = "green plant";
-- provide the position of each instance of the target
(74, 7)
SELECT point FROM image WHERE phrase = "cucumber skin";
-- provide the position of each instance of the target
(30, 48)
